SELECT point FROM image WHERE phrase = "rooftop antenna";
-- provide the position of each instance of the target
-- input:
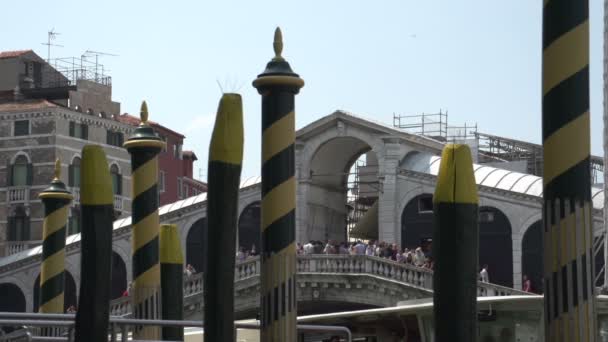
(51, 35)
(88, 53)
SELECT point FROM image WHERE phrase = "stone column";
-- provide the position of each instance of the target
(387, 174)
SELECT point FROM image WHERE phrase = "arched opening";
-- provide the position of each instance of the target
(343, 186)
(196, 244)
(495, 245)
(74, 173)
(249, 227)
(417, 221)
(69, 292)
(20, 172)
(19, 225)
(532, 256)
(119, 276)
(12, 298)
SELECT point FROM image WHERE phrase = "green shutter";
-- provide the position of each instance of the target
(30, 174)
(119, 176)
(72, 128)
(26, 229)
(85, 132)
(109, 137)
(11, 229)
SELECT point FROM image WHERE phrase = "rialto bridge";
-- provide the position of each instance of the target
(395, 182)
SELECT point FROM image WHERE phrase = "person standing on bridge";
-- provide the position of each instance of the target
(484, 276)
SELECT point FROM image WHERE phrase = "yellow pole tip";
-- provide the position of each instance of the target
(456, 179)
(143, 113)
(96, 183)
(278, 44)
(227, 136)
(57, 173)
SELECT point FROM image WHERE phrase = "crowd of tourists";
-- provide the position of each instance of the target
(419, 256)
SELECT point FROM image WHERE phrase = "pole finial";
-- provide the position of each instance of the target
(143, 113)
(57, 173)
(278, 44)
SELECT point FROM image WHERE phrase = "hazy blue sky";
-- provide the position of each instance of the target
(478, 59)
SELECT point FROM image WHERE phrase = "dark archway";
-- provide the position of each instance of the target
(496, 246)
(495, 243)
(249, 227)
(417, 221)
(69, 296)
(12, 298)
(119, 276)
(532, 256)
(195, 244)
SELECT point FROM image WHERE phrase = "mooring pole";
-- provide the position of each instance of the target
(278, 85)
(455, 247)
(225, 160)
(56, 199)
(144, 147)
(567, 209)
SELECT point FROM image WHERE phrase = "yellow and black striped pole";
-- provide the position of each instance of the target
(96, 202)
(278, 85)
(455, 247)
(567, 209)
(225, 160)
(171, 280)
(56, 199)
(144, 147)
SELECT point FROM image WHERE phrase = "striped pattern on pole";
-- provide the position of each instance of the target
(56, 200)
(568, 234)
(278, 86)
(171, 280)
(144, 147)
(97, 206)
(455, 247)
(225, 160)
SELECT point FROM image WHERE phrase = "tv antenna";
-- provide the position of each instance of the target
(51, 35)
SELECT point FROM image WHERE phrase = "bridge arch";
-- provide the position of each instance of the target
(249, 227)
(119, 276)
(417, 221)
(532, 255)
(12, 299)
(332, 190)
(70, 291)
(495, 245)
(195, 244)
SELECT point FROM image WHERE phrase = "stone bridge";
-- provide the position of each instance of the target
(325, 283)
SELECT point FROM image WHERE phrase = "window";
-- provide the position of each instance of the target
(20, 173)
(177, 151)
(425, 204)
(164, 139)
(19, 226)
(179, 188)
(116, 180)
(78, 130)
(22, 127)
(115, 138)
(74, 221)
(74, 173)
(161, 182)
(185, 191)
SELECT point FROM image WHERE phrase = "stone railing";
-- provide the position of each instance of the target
(14, 247)
(332, 264)
(18, 194)
(117, 202)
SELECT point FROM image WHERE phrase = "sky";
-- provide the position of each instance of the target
(479, 60)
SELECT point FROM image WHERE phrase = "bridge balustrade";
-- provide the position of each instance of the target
(331, 264)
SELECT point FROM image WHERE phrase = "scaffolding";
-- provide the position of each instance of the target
(362, 192)
(434, 125)
(73, 69)
(492, 147)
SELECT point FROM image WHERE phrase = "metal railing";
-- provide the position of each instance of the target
(60, 327)
(117, 202)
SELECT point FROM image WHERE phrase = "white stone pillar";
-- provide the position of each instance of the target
(605, 140)
(302, 186)
(387, 208)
